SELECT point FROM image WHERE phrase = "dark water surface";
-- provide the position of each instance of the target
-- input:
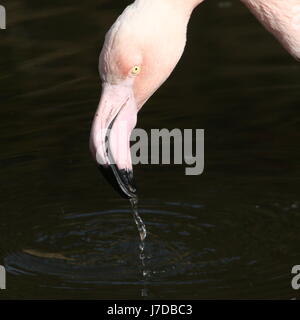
(232, 232)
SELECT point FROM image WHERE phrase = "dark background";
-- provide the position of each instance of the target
(232, 232)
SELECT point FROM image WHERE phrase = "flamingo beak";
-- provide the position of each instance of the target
(110, 136)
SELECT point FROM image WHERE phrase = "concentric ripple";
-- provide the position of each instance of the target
(188, 249)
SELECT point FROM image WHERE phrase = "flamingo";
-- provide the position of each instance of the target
(140, 51)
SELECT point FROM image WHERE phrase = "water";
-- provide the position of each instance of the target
(143, 234)
(232, 232)
(142, 231)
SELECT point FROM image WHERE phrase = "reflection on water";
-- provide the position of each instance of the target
(232, 232)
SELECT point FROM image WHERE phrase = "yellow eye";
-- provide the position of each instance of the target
(135, 70)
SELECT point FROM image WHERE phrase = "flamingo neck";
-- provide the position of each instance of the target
(183, 5)
(281, 18)
(190, 3)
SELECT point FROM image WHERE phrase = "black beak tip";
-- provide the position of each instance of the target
(121, 180)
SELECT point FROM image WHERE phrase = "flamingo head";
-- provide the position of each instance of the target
(137, 57)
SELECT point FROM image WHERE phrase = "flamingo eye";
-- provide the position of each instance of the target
(135, 70)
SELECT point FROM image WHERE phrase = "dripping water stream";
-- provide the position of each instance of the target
(143, 234)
